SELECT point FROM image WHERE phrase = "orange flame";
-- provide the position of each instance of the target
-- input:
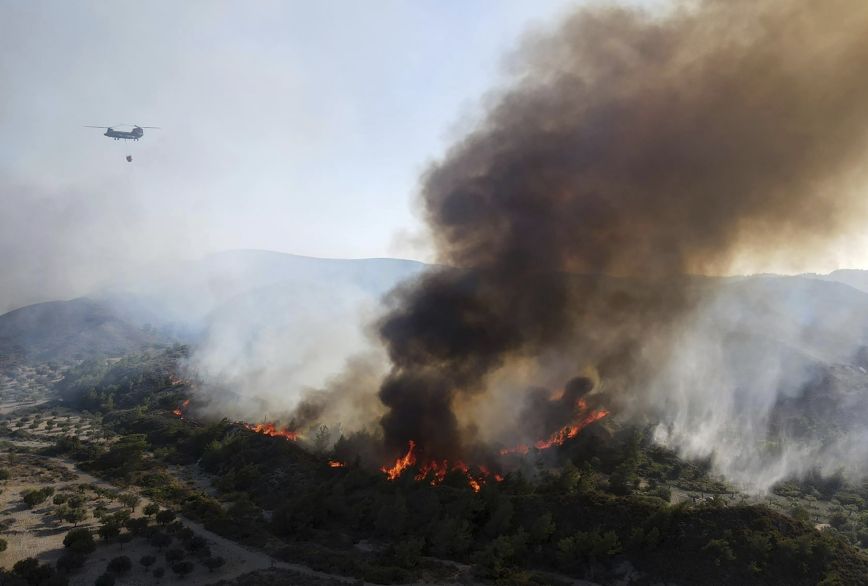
(519, 449)
(486, 473)
(570, 431)
(559, 437)
(401, 463)
(436, 470)
(179, 412)
(336, 464)
(271, 430)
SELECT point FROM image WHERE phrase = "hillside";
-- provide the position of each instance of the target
(184, 294)
(69, 330)
(855, 278)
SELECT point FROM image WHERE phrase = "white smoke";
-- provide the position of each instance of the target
(761, 379)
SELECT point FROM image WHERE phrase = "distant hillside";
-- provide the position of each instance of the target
(66, 330)
(243, 308)
(853, 277)
(186, 293)
(821, 317)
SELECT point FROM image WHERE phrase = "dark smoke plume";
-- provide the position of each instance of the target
(638, 146)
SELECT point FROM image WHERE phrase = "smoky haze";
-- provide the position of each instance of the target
(643, 147)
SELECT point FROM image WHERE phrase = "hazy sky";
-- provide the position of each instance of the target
(293, 126)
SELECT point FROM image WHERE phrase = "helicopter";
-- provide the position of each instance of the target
(134, 134)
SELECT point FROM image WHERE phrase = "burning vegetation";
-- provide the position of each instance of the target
(179, 412)
(586, 417)
(435, 472)
(272, 430)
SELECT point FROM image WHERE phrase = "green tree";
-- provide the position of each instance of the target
(129, 500)
(195, 543)
(182, 568)
(147, 561)
(588, 546)
(451, 536)
(75, 501)
(125, 454)
(79, 541)
(120, 565)
(568, 481)
(105, 580)
(74, 516)
(70, 561)
(322, 439)
(392, 516)
(719, 550)
(35, 497)
(838, 519)
(542, 528)
(137, 526)
(213, 563)
(160, 540)
(408, 552)
(501, 516)
(109, 530)
(151, 509)
(165, 517)
(587, 479)
(31, 571)
(624, 480)
(800, 513)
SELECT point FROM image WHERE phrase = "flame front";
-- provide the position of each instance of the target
(563, 434)
(271, 430)
(401, 463)
(435, 471)
(570, 431)
(179, 412)
(336, 464)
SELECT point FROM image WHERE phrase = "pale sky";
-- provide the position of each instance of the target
(293, 126)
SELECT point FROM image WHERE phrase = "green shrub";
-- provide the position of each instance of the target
(79, 541)
(120, 565)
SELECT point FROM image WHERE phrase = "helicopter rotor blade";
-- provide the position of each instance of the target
(96, 126)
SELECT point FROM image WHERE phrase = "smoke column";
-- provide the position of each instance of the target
(639, 146)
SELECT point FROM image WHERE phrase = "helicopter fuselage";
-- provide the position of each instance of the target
(134, 134)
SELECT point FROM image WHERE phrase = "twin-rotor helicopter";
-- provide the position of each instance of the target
(135, 134)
